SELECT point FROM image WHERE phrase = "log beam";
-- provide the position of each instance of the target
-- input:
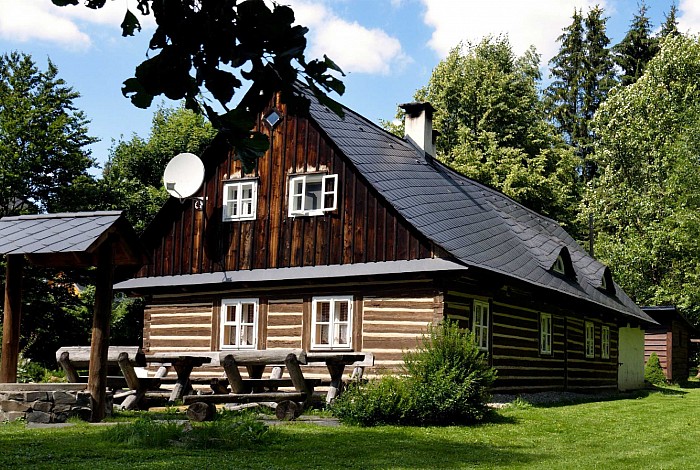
(11, 319)
(99, 345)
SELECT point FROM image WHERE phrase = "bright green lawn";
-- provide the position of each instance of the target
(661, 430)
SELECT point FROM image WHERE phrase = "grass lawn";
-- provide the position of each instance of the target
(660, 430)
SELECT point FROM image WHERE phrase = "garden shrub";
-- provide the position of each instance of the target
(653, 373)
(446, 382)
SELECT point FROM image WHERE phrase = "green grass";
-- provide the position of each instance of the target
(658, 430)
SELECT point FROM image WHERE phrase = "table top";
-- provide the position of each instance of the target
(172, 356)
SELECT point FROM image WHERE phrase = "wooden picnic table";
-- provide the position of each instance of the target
(183, 363)
(336, 362)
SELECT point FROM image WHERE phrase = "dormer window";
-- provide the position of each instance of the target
(312, 194)
(604, 283)
(559, 266)
(240, 200)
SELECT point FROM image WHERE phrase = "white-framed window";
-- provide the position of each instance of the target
(331, 322)
(239, 324)
(312, 194)
(480, 324)
(545, 333)
(590, 339)
(605, 342)
(240, 200)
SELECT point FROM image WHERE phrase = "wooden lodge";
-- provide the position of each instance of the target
(347, 238)
(670, 340)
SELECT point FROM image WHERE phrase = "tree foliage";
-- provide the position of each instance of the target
(637, 47)
(647, 197)
(44, 158)
(44, 165)
(204, 47)
(493, 128)
(132, 177)
(582, 76)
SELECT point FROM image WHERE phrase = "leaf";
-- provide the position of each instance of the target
(139, 97)
(63, 3)
(130, 24)
(250, 149)
(221, 84)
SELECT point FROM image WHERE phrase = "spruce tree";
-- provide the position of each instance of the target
(563, 96)
(598, 80)
(637, 48)
(670, 24)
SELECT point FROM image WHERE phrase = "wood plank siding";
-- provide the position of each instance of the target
(671, 344)
(364, 228)
(185, 326)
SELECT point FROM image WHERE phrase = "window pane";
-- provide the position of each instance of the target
(247, 335)
(313, 195)
(248, 315)
(322, 334)
(323, 312)
(341, 334)
(231, 313)
(229, 335)
(341, 310)
(247, 191)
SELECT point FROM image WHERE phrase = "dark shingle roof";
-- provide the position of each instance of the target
(58, 238)
(474, 223)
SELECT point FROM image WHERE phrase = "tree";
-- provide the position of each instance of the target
(43, 139)
(647, 197)
(670, 24)
(493, 128)
(132, 178)
(200, 45)
(44, 163)
(583, 74)
(637, 47)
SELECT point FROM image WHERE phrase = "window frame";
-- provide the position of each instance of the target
(331, 346)
(239, 199)
(480, 330)
(223, 323)
(546, 327)
(605, 342)
(589, 339)
(559, 265)
(305, 178)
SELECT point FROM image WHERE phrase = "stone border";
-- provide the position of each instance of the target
(45, 406)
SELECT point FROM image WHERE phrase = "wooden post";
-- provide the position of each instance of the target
(12, 316)
(99, 345)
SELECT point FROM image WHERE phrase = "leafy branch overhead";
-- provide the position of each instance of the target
(204, 46)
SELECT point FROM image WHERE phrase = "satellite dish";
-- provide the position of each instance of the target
(183, 175)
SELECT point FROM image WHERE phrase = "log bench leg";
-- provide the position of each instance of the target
(336, 371)
(182, 386)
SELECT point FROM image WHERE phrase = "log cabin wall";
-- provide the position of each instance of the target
(514, 340)
(363, 228)
(178, 326)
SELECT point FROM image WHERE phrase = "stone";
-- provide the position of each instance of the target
(64, 398)
(3, 396)
(14, 415)
(14, 405)
(38, 417)
(34, 396)
(61, 408)
(60, 417)
(82, 412)
(82, 399)
(45, 406)
(15, 396)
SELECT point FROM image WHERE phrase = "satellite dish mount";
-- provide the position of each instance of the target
(183, 177)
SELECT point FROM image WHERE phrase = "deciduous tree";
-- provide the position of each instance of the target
(493, 126)
(647, 197)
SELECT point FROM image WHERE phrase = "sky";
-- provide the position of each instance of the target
(387, 48)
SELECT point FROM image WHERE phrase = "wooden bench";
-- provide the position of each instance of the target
(255, 388)
(126, 358)
(76, 359)
(336, 362)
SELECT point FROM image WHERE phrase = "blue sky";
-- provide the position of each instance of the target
(388, 48)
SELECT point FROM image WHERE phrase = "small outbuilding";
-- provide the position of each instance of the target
(670, 341)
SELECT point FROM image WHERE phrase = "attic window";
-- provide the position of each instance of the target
(312, 194)
(604, 283)
(559, 266)
(272, 118)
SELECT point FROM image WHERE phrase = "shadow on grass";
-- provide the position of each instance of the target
(298, 446)
(595, 398)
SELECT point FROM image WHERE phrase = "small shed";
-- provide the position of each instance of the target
(670, 341)
(104, 240)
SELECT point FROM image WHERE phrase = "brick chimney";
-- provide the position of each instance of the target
(419, 126)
